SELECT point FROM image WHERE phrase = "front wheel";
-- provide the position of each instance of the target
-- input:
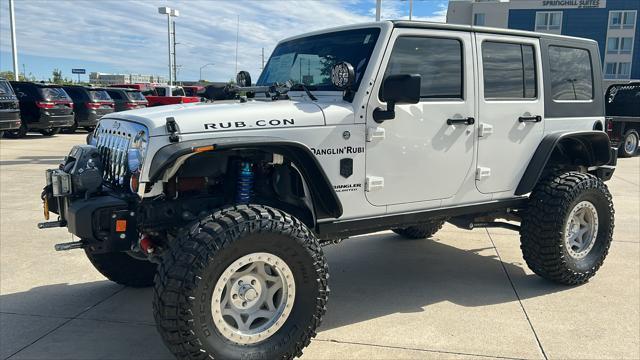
(248, 281)
(629, 145)
(123, 268)
(567, 228)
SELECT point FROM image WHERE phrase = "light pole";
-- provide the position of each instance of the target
(165, 10)
(202, 67)
(14, 47)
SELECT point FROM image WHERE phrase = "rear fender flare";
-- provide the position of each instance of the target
(590, 148)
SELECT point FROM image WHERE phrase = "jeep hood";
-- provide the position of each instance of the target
(219, 117)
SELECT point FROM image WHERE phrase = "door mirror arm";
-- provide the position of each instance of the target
(380, 114)
(397, 89)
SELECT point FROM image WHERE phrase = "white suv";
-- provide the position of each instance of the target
(390, 125)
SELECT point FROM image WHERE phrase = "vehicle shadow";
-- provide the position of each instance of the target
(371, 276)
(23, 160)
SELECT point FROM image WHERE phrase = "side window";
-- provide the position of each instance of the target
(571, 73)
(437, 60)
(509, 71)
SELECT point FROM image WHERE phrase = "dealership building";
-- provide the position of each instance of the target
(612, 23)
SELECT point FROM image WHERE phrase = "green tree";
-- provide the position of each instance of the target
(57, 76)
(9, 76)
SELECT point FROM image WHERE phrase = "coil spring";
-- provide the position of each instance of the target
(244, 192)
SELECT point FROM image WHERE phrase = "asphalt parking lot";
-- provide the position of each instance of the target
(462, 294)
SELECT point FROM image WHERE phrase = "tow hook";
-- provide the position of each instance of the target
(69, 246)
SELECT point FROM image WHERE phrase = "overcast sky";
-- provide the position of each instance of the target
(131, 37)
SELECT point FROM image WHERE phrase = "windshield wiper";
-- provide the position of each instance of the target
(299, 86)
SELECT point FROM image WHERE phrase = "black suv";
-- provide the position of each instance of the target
(127, 99)
(43, 107)
(9, 108)
(91, 103)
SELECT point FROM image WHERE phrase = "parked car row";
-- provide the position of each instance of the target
(49, 108)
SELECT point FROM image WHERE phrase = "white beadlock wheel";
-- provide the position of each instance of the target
(581, 230)
(253, 298)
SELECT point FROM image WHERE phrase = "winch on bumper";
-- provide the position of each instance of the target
(104, 219)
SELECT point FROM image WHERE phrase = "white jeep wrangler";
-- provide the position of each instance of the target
(224, 208)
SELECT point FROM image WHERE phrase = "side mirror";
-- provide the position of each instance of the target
(243, 79)
(397, 89)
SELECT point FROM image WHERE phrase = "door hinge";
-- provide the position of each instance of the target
(374, 183)
(482, 172)
(485, 129)
(375, 133)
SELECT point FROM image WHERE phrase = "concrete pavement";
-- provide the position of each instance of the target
(462, 294)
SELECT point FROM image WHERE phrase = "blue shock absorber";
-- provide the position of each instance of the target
(244, 192)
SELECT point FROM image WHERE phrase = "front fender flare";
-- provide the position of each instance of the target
(593, 146)
(325, 199)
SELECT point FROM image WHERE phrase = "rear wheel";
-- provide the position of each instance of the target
(123, 268)
(567, 228)
(71, 129)
(247, 282)
(422, 231)
(629, 145)
(50, 132)
(18, 133)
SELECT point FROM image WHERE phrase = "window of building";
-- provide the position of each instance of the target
(437, 60)
(619, 45)
(478, 19)
(571, 73)
(622, 19)
(617, 70)
(509, 71)
(549, 21)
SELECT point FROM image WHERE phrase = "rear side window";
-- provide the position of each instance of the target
(99, 95)
(509, 71)
(571, 73)
(437, 60)
(135, 96)
(53, 93)
(178, 92)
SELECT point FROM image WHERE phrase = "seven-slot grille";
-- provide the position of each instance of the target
(113, 145)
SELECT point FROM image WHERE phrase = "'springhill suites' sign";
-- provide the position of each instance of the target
(558, 4)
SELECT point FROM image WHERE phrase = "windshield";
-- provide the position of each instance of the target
(54, 93)
(309, 60)
(5, 88)
(99, 95)
(135, 95)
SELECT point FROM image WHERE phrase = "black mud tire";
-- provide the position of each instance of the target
(50, 132)
(19, 133)
(123, 269)
(543, 227)
(193, 265)
(422, 231)
(622, 151)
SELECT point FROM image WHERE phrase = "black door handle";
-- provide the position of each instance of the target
(465, 121)
(536, 118)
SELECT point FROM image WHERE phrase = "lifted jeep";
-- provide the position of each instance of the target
(224, 208)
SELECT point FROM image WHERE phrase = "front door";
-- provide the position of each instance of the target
(511, 109)
(426, 151)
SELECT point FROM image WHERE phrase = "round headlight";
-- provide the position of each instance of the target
(134, 160)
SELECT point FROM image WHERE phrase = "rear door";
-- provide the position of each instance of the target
(510, 109)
